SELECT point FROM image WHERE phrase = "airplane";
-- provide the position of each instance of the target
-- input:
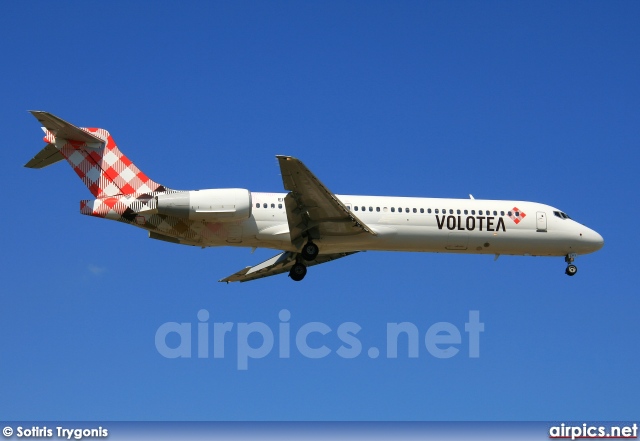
(308, 224)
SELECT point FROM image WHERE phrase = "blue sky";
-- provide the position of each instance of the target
(504, 100)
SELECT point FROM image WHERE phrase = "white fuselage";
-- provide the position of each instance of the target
(427, 225)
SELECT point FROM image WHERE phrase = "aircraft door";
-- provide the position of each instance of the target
(541, 221)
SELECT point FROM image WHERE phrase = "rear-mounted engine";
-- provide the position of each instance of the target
(214, 205)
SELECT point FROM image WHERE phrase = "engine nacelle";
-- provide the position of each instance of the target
(214, 205)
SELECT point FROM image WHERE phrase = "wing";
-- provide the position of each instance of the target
(311, 206)
(277, 265)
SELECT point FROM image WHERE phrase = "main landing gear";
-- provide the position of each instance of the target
(299, 270)
(571, 268)
(310, 251)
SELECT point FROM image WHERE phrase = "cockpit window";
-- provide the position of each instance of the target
(561, 215)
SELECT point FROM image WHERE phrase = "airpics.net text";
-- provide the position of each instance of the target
(257, 340)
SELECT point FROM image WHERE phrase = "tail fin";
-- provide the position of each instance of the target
(94, 156)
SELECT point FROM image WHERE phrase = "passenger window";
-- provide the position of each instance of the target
(355, 208)
(378, 209)
(406, 210)
(502, 213)
(393, 209)
(480, 212)
(415, 210)
(422, 210)
(257, 205)
(517, 214)
(384, 209)
(466, 211)
(495, 213)
(457, 211)
(264, 205)
(429, 210)
(437, 211)
(273, 205)
(370, 208)
(509, 213)
(473, 211)
(450, 211)
(364, 208)
(280, 206)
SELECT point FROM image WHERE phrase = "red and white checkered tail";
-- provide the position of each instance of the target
(94, 156)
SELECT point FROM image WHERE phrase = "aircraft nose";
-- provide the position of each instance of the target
(593, 239)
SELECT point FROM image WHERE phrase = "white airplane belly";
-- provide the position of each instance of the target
(432, 239)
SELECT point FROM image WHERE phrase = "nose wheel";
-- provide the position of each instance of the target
(571, 268)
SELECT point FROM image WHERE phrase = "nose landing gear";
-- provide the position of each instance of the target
(571, 268)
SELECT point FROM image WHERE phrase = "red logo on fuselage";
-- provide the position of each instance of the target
(516, 215)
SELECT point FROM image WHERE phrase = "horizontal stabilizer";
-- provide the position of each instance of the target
(62, 129)
(45, 157)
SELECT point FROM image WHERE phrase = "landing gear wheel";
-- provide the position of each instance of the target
(571, 270)
(297, 272)
(310, 251)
